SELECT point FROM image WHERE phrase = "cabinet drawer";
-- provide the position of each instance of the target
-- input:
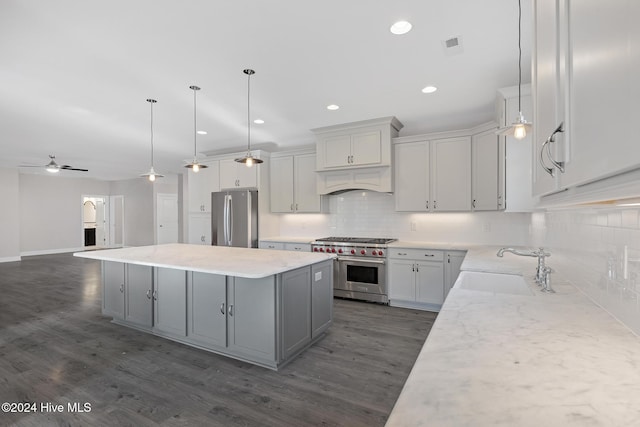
(416, 254)
(300, 247)
(265, 244)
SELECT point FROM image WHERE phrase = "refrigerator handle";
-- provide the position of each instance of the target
(225, 219)
(230, 221)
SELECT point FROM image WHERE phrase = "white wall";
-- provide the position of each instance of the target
(599, 251)
(371, 214)
(9, 215)
(139, 210)
(50, 218)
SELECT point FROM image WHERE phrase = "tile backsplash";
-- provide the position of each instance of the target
(601, 254)
(372, 214)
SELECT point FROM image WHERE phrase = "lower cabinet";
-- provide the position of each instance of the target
(113, 289)
(170, 301)
(416, 278)
(138, 289)
(453, 261)
(207, 309)
(265, 321)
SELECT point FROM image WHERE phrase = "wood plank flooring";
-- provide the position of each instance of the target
(56, 347)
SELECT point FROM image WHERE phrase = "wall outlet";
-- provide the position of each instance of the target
(413, 226)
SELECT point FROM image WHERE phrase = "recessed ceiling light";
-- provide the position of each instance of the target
(429, 89)
(201, 132)
(332, 107)
(258, 121)
(401, 27)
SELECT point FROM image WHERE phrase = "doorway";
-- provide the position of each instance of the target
(102, 221)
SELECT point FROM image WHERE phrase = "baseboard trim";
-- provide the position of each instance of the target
(51, 251)
(10, 259)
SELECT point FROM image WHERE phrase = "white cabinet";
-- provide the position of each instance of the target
(237, 175)
(452, 263)
(285, 246)
(293, 184)
(416, 278)
(170, 302)
(604, 65)
(412, 172)
(485, 168)
(548, 84)
(433, 175)
(200, 186)
(518, 161)
(199, 229)
(451, 174)
(356, 149)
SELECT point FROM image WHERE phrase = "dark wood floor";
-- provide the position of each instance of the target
(56, 347)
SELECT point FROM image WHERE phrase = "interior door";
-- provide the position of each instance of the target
(167, 218)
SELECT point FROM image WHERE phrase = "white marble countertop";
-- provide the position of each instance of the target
(514, 360)
(240, 262)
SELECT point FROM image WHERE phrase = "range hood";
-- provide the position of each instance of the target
(369, 179)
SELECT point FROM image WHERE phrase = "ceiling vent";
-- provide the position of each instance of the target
(452, 46)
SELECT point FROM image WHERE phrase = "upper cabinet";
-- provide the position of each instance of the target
(360, 144)
(293, 184)
(433, 176)
(585, 64)
(485, 183)
(235, 175)
(201, 184)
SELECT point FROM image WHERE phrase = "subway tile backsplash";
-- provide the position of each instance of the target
(601, 255)
(372, 214)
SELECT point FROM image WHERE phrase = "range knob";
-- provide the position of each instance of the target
(315, 249)
(380, 253)
(374, 252)
(340, 250)
(333, 250)
(363, 252)
(321, 249)
(353, 251)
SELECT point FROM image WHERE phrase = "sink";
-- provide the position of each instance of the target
(495, 283)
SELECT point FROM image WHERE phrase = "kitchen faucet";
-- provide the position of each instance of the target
(543, 273)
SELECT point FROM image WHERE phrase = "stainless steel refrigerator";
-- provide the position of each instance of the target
(234, 218)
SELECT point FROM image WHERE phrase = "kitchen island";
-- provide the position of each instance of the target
(259, 306)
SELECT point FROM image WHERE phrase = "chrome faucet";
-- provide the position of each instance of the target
(543, 273)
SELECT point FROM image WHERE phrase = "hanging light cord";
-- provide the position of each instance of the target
(195, 126)
(248, 112)
(519, 53)
(151, 101)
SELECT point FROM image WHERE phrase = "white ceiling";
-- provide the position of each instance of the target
(75, 74)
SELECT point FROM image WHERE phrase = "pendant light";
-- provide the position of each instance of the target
(194, 165)
(249, 160)
(520, 127)
(152, 174)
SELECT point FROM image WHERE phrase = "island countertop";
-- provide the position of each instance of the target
(249, 263)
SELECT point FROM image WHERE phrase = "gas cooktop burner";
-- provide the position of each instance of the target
(361, 240)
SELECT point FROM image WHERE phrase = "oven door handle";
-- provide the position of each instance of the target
(369, 260)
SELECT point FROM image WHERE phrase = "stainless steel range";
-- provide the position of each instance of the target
(361, 272)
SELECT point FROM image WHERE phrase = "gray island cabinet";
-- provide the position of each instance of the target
(259, 306)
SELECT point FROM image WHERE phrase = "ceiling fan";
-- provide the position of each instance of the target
(54, 167)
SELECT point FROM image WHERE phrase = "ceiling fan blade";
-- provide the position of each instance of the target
(69, 168)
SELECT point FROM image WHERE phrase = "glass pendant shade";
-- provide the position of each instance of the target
(248, 159)
(194, 165)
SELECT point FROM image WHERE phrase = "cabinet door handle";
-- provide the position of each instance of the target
(230, 310)
(122, 288)
(222, 308)
(417, 268)
(402, 253)
(155, 295)
(435, 206)
(296, 206)
(429, 255)
(473, 204)
(499, 199)
(149, 294)
(427, 205)
(291, 208)
(552, 138)
(413, 267)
